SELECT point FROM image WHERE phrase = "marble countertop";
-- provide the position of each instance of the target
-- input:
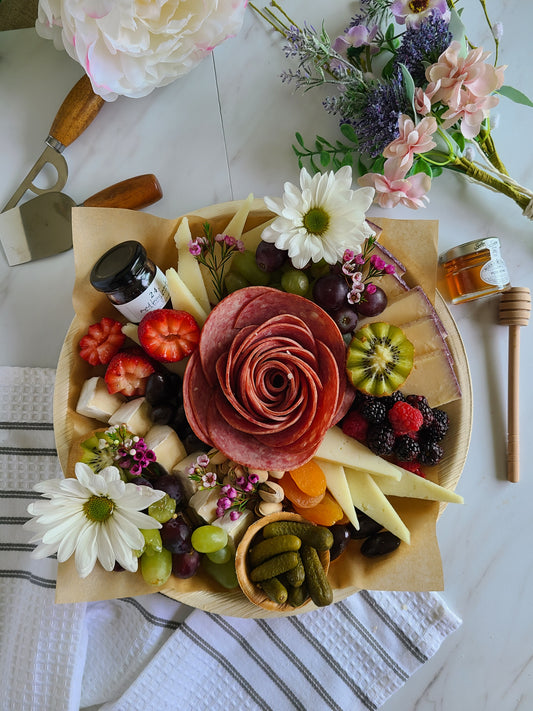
(226, 130)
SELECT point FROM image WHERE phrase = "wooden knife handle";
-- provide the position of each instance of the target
(77, 111)
(134, 193)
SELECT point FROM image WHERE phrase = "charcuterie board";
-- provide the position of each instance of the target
(94, 231)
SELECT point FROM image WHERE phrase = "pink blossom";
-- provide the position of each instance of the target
(195, 248)
(456, 73)
(356, 36)
(422, 101)
(413, 12)
(412, 139)
(471, 110)
(393, 188)
(371, 289)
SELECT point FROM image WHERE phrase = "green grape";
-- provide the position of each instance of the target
(318, 269)
(295, 282)
(208, 539)
(152, 541)
(244, 263)
(156, 567)
(163, 510)
(221, 556)
(234, 282)
(223, 573)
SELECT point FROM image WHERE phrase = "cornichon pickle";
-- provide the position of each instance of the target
(275, 590)
(296, 576)
(319, 537)
(315, 577)
(297, 595)
(273, 546)
(274, 566)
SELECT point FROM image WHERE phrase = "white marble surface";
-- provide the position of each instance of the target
(225, 130)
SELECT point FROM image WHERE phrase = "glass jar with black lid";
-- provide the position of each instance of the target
(130, 280)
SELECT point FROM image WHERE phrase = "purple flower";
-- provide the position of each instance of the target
(195, 248)
(234, 515)
(389, 269)
(240, 481)
(377, 262)
(370, 289)
(230, 241)
(239, 245)
(202, 460)
(229, 491)
(220, 238)
(359, 259)
(413, 12)
(253, 478)
(348, 255)
(224, 503)
(423, 45)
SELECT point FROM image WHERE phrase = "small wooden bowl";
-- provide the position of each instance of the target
(250, 589)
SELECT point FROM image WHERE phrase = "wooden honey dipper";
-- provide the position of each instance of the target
(515, 306)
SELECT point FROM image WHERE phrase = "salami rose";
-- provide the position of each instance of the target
(268, 378)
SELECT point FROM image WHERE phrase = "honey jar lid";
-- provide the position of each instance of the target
(476, 245)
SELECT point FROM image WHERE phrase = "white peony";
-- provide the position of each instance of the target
(131, 47)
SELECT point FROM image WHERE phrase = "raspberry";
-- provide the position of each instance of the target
(413, 467)
(420, 402)
(406, 448)
(405, 418)
(374, 411)
(438, 427)
(380, 439)
(430, 453)
(355, 425)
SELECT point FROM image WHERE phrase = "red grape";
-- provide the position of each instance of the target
(176, 535)
(330, 291)
(185, 565)
(372, 304)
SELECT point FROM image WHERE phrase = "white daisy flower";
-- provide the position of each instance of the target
(321, 220)
(94, 516)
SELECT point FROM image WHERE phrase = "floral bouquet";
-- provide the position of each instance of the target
(413, 97)
(130, 48)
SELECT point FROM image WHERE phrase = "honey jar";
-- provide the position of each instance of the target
(474, 269)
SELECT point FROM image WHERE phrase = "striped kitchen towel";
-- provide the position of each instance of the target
(152, 652)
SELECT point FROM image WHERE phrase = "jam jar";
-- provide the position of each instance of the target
(130, 280)
(474, 269)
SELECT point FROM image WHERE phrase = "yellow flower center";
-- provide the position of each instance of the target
(98, 508)
(316, 221)
(418, 5)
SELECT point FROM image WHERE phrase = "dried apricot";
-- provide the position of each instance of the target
(295, 495)
(325, 513)
(310, 478)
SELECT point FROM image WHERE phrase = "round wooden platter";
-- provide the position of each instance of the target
(201, 591)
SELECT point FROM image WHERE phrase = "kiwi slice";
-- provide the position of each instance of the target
(99, 450)
(379, 359)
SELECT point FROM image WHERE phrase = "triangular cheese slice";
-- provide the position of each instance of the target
(182, 297)
(341, 449)
(416, 487)
(339, 489)
(188, 267)
(236, 224)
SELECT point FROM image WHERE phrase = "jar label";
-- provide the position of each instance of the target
(155, 296)
(495, 272)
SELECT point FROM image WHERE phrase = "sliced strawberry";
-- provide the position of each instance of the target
(127, 373)
(102, 341)
(168, 335)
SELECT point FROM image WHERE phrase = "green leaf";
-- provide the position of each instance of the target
(457, 28)
(324, 159)
(314, 167)
(389, 66)
(459, 139)
(421, 166)
(515, 95)
(361, 167)
(348, 132)
(436, 170)
(300, 139)
(347, 160)
(389, 32)
(408, 83)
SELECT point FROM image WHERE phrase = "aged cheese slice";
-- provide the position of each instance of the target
(204, 503)
(188, 267)
(369, 498)
(339, 489)
(190, 486)
(166, 445)
(433, 376)
(182, 297)
(235, 226)
(96, 401)
(425, 333)
(339, 448)
(235, 529)
(416, 487)
(135, 415)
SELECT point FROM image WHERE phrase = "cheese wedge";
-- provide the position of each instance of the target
(235, 226)
(182, 297)
(235, 529)
(188, 267)
(166, 445)
(96, 401)
(135, 415)
(416, 487)
(425, 333)
(131, 330)
(369, 499)
(190, 486)
(433, 376)
(204, 503)
(339, 448)
(339, 489)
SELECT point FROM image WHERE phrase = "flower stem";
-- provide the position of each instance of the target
(462, 165)
(486, 143)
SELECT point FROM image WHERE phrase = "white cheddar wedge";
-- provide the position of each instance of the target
(416, 487)
(235, 226)
(190, 486)
(131, 330)
(96, 402)
(369, 498)
(135, 415)
(339, 489)
(235, 529)
(166, 445)
(341, 449)
(182, 297)
(188, 267)
(204, 503)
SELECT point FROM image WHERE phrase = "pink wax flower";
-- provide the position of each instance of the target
(393, 188)
(412, 139)
(413, 12)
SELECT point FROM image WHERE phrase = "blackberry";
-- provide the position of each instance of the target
(406, 448)
(380, 439)
(421, 404)
(373, 410)
(430, 453)
(392, 399)
(438, 428)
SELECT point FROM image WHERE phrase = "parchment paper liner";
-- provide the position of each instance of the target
(413, 567)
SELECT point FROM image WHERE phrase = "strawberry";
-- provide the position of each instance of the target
(102, 341)
(127, 373)
(168, 335)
